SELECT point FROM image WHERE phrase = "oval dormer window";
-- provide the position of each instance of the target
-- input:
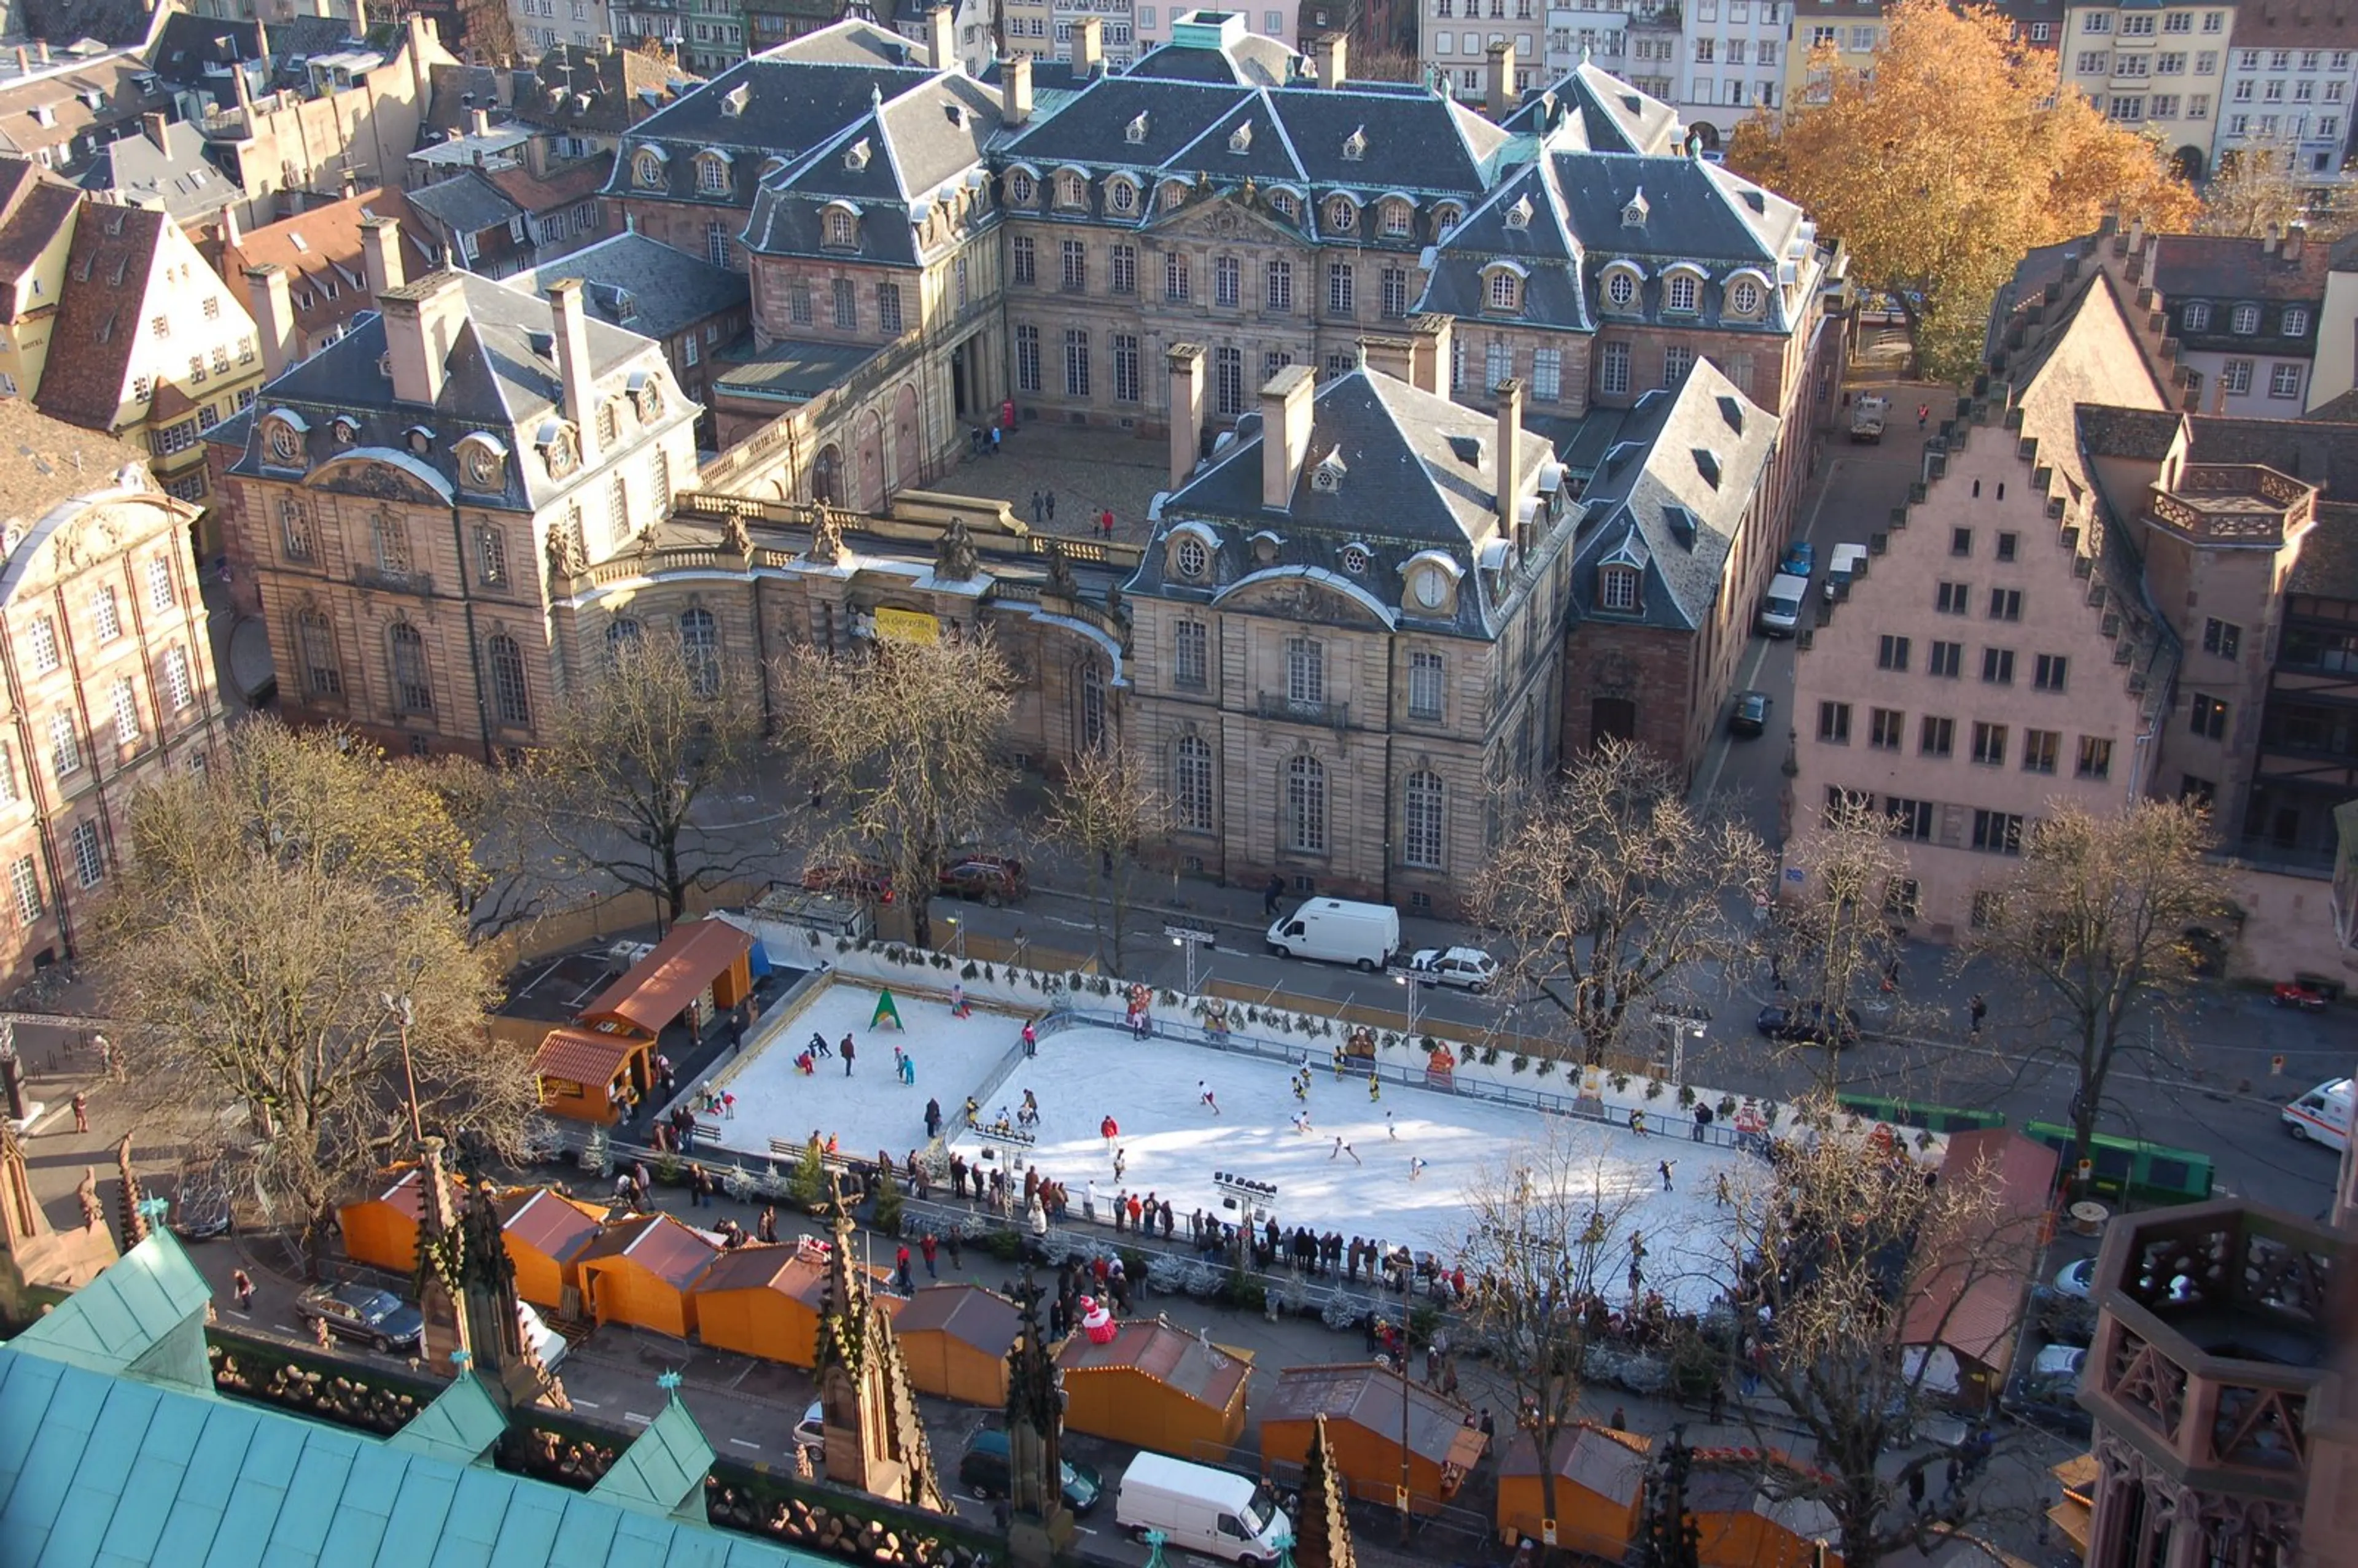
(650, 169)
(1432, 589)
(1194, 559)
(1122, 196)
(1621, 288)
(1743, 297)
(1341, 215)
(1355, 556)
(1020, 189)
(285, 442)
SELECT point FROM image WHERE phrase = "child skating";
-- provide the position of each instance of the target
(1342, 1148)
(1415, 1167)
(1203, 1093)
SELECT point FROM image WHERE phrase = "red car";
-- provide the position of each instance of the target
(2294, 994)
(993, 879)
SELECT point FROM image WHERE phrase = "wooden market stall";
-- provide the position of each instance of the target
(1600, 1490)
(644, 1270)
(1739, 1525)
(547, 1234)
(1964, 1317)
(1153, 1385)
(1362, 1404)
(955, 1339)
(382, 1231)
(764, 1301)
(702, 967)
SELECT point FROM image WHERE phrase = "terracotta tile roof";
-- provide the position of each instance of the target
(583, 1055)
(2231, 266)
(659, 986)
(321, 248)
(657, 1243)
(88, 377)
(1211, 1376)
(65, 96)
(2275, 27)
(1364, 1395)
(969, 1313)
(44, 461)
(579, 182)
(546, 1222)
(35, 205)
(1970, 1299)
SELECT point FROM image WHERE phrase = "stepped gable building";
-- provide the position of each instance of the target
(1344, 631)
(412, 502)
(1599, 112)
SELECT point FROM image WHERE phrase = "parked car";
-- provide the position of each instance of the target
(378, 1319)
(2077, 1280)
(2060, 1361)
(811, 1431)
(984, 1474)
(1468, 967)
(1809, 1023)
(993, 879)
(203, 1202)
(1750, 714)
(857, 877)
(2299, 994)
(1800, 559)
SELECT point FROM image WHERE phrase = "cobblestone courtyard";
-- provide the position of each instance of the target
(1087, 469)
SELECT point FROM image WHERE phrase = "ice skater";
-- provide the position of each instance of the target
(1343, 1147)
(909, 1072)
(1375, 1086)
(818, 1045)
(1203, 1093)
(1719, 1190)
(1028, 1114)
(960, 1006)
(1665, 1167)
(1120, 1162)
(1638, 1122)
(1415, 1167)
(1108, 1129)
(1302, 1121)
(1392, 1128)
(846, 1052)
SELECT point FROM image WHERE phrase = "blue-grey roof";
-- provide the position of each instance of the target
(662, 1470)
(1591, 108)
(642, 283)
(176, 177)
(466, 203)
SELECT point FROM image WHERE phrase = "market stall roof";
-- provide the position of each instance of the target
(1204, 1372)
(1596, 1458)
(659, 986)
(781, 1267)
(406, 1195)
(1364, 1395)
(546, 1222)
(660, 1245)
(1970, 1298)
(585, 1057)
(969, 1313)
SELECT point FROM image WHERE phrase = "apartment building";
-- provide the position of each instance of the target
(1458, 36)
(1851, 29)
(37, 226)
(2161, 68)
(321, 264)
(2291, 76)
(543, 25)
(712, 35)
(1586, 30)
(1735, 57)
(2245, 313)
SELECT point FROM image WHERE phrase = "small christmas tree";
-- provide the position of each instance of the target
(887, 1213)
(810, 1178)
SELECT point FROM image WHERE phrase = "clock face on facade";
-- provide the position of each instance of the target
(1429, 590)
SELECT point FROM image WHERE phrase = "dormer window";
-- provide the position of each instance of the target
(1445, 217)
(711, 174)
(732, 103)
(2245, 320)
(345, 429)
(1681, 292)
(855, 157)
(1174, 194)
(1135, 132)
(609, 423)
(1283, 204)
(1504, 291)
(2198, 316)
(1121, 196)
(1356, 558)
(1072, 190)
(1621, 287)
(647, 168)
(1020, 189)
(1617, 588)
(1342, 214)
(1633, 215)
(2295, 323)
(285, 440)
(1744, 298)
(1399, 219)
(840, 229)
(1354, 145)
(1327, 478)
(560, 449)
(1518, 216)
(1240, 139)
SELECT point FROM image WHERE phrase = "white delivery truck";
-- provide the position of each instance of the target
(1780, 607)
(1340, 932)
(1848, 563)
(1198, 1509)
(2323, 1115)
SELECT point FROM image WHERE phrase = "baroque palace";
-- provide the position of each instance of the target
(1484, 431)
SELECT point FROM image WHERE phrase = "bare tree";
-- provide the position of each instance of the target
(486, 807)
(1109, 809)
(1836, 944)
(909, 739)
(1612, 887)
(283, 951)
(2261, 187)
(630, 758)
(1854, 1268)
(2096, 924)
(1550, 1234)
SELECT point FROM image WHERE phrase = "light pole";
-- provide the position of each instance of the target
(1414, 989)
(958, 935)
(1187, 938)
(1403, 1377)
(399, 1006)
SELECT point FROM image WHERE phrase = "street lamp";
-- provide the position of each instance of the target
(1414, 990)
(399, 1006)
(958, 935)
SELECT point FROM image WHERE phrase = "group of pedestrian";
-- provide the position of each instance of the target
(1143, 1217)
(1043, 508)
(983, 441)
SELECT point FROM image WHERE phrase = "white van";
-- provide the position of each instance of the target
(2323, 1115)
(1198, 1509)
(1780, 607)
(1846, 565)
(1340, 932)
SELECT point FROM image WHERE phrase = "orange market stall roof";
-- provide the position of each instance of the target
(1208, 1374)
(1970, 1298)
(1611, 1464)
(1364, 1395)
(554, 1227)
(969, 1313)
(585, 1057)
(659, 986)
(672, 1251)
(780, 1268)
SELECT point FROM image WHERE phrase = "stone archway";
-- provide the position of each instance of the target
(1612, 719)
(908, 439)
(827, 477)
(868, 480)
(2188, 162)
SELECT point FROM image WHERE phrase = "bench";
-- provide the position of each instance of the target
(706, 1131)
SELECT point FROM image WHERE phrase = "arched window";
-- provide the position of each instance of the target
(1621, 288)
(1681, 292)
(1092, 707)
(413, 689)
(1191, 783)
(711, 174)
(625, 636)
(1400, 218)
(609, 423)
(1423, 819)
(1305, 806)
(1505, 293)
(650, 169)
(315, 644)
(391, 541)
(1306, 672)
(510, 698)
(699, 643)
(839, 227)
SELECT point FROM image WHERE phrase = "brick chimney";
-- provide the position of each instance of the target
(1015, 89)
(381, 250)
(1284, 434)
(573, 362)
(153, 123)
(229, 223)
(421, 322)
(272, 302)
(1430, 335)
(941, 28)
(1331, 52)
(1088, 48)
(479, 122)
(1187, 363)
(2295, 236)
(1507, 453)
(1394, 357)
(1502, 79)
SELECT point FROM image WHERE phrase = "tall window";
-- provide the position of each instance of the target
(716, 243)
(1027, 260)
(1342, 296)
(65, 746)
(1190, 662)
(798, 302)
(663, 483)
(1191, 783)
(89, 855)
(1613, 370)
(294, 531)
(1124, 262)
(8, 791)
(390, 537)
(1677, 360)
(1227, 276)
(42, 637)
(1077, 362)
(618, 508)
(1027, 359)
(1229, 380)
(159, 583)
(1174, 275)
(491, 555)
(699, 646)
(105, 615)
(1125, 367)
(1305, 806)
(847, 305)
(1395, 291)
(25, 881)
(1074, 275)
(413, 691)
(510, 698)
(1425, 674)
(1423, 823)
(1092, 707)
(316, 644)
(1498, 362)
(1306, 672)
(126, 715)
(888, 309)
(1280, 286)
(1547, 375)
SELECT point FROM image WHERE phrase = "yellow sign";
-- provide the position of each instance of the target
(909, 625)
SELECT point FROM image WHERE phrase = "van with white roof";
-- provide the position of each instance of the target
(1198, 1509)
(2323, 1115)
(1780, 607)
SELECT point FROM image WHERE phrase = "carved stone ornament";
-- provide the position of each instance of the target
(565, 562)
(954, 558)
(379, 481)
(1060, 572)
(826, 536)
(740, 537)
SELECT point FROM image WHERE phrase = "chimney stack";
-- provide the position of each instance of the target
(1088, 48)
(381, 250)
(941, 24)
(1187, 363)
(2296, 235)
(479, 122)
(1430, 335)
(1394, 357)
(360, 18)
(153, 122)
(273, 304)
(1284, 434)
(1507, 453)
(1015, 89)
(1330, 52)
(2268, 242)
(421, 322)
(1502, 79)
(573, 362)
(229, 223)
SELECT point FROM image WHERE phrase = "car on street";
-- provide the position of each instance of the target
(811, 1431)
(1800, 559)
(1749, 716)
(363, 1313)
(203, 1202)
(1467, 966)
(1808, 1023)
(992, 880)
(2060, 1361)
(984, 1473)
(2077, 1279)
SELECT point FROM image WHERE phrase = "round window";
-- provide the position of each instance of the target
(1192, 557)
(482, 468)
(1355, 559)
(1429, 590)
(286, 444)
(1125, 195)
(1744, 298)
(1621, 288)
(1019, 187)
(1341, 216)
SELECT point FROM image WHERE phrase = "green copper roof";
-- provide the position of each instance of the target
(145, 1315)
(662, 1469)
(461, 1425)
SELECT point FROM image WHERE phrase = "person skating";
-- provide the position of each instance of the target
(1203, 1093)
(1120, 1162)
(1976, 1010)
(959, 1006)
(1719, 1190)
(1415, 1167)
(818, 1045)
(1638, 1122)
(1375, 1086)
(1108, 1130)
(847, 1053)
(1302, 1121)
(1392, 1128)
(1343, 1147)
(1665, 1167)
(1031, 1039)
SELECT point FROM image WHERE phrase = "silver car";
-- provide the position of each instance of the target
(1469, 967)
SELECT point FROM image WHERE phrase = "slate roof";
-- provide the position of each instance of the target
(1216, 46)
(2231, 266)
(792, 370)
(2145, 433)
(643, 283)
(173, 175)
(466, 203)
(189, 49)
(2328, 567)
(460, 89)
(1670, 498)
(1591, 108)
(584, 89)
(890, 165)
(88, 375)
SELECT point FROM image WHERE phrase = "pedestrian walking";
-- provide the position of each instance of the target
(1392, 1128)
(1702, 1121)
(241, 1284)
(1620, 1421)
(1105, 522)
(1120, 1162)
(958, 1253)
(82, 1111)
(1052, 506)
(1031, 1039)
(847, 1051)
(929, 1246)
(901, 1270)
(1976, 1010)
(994, 440)
(1665, 1166)
(1375, 1086)
(1273, 890)
(768, 1229)
(1036, 517)
(932, 1118)
(1719, 1190)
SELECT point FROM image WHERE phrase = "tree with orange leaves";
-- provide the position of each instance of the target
(1945, 162)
